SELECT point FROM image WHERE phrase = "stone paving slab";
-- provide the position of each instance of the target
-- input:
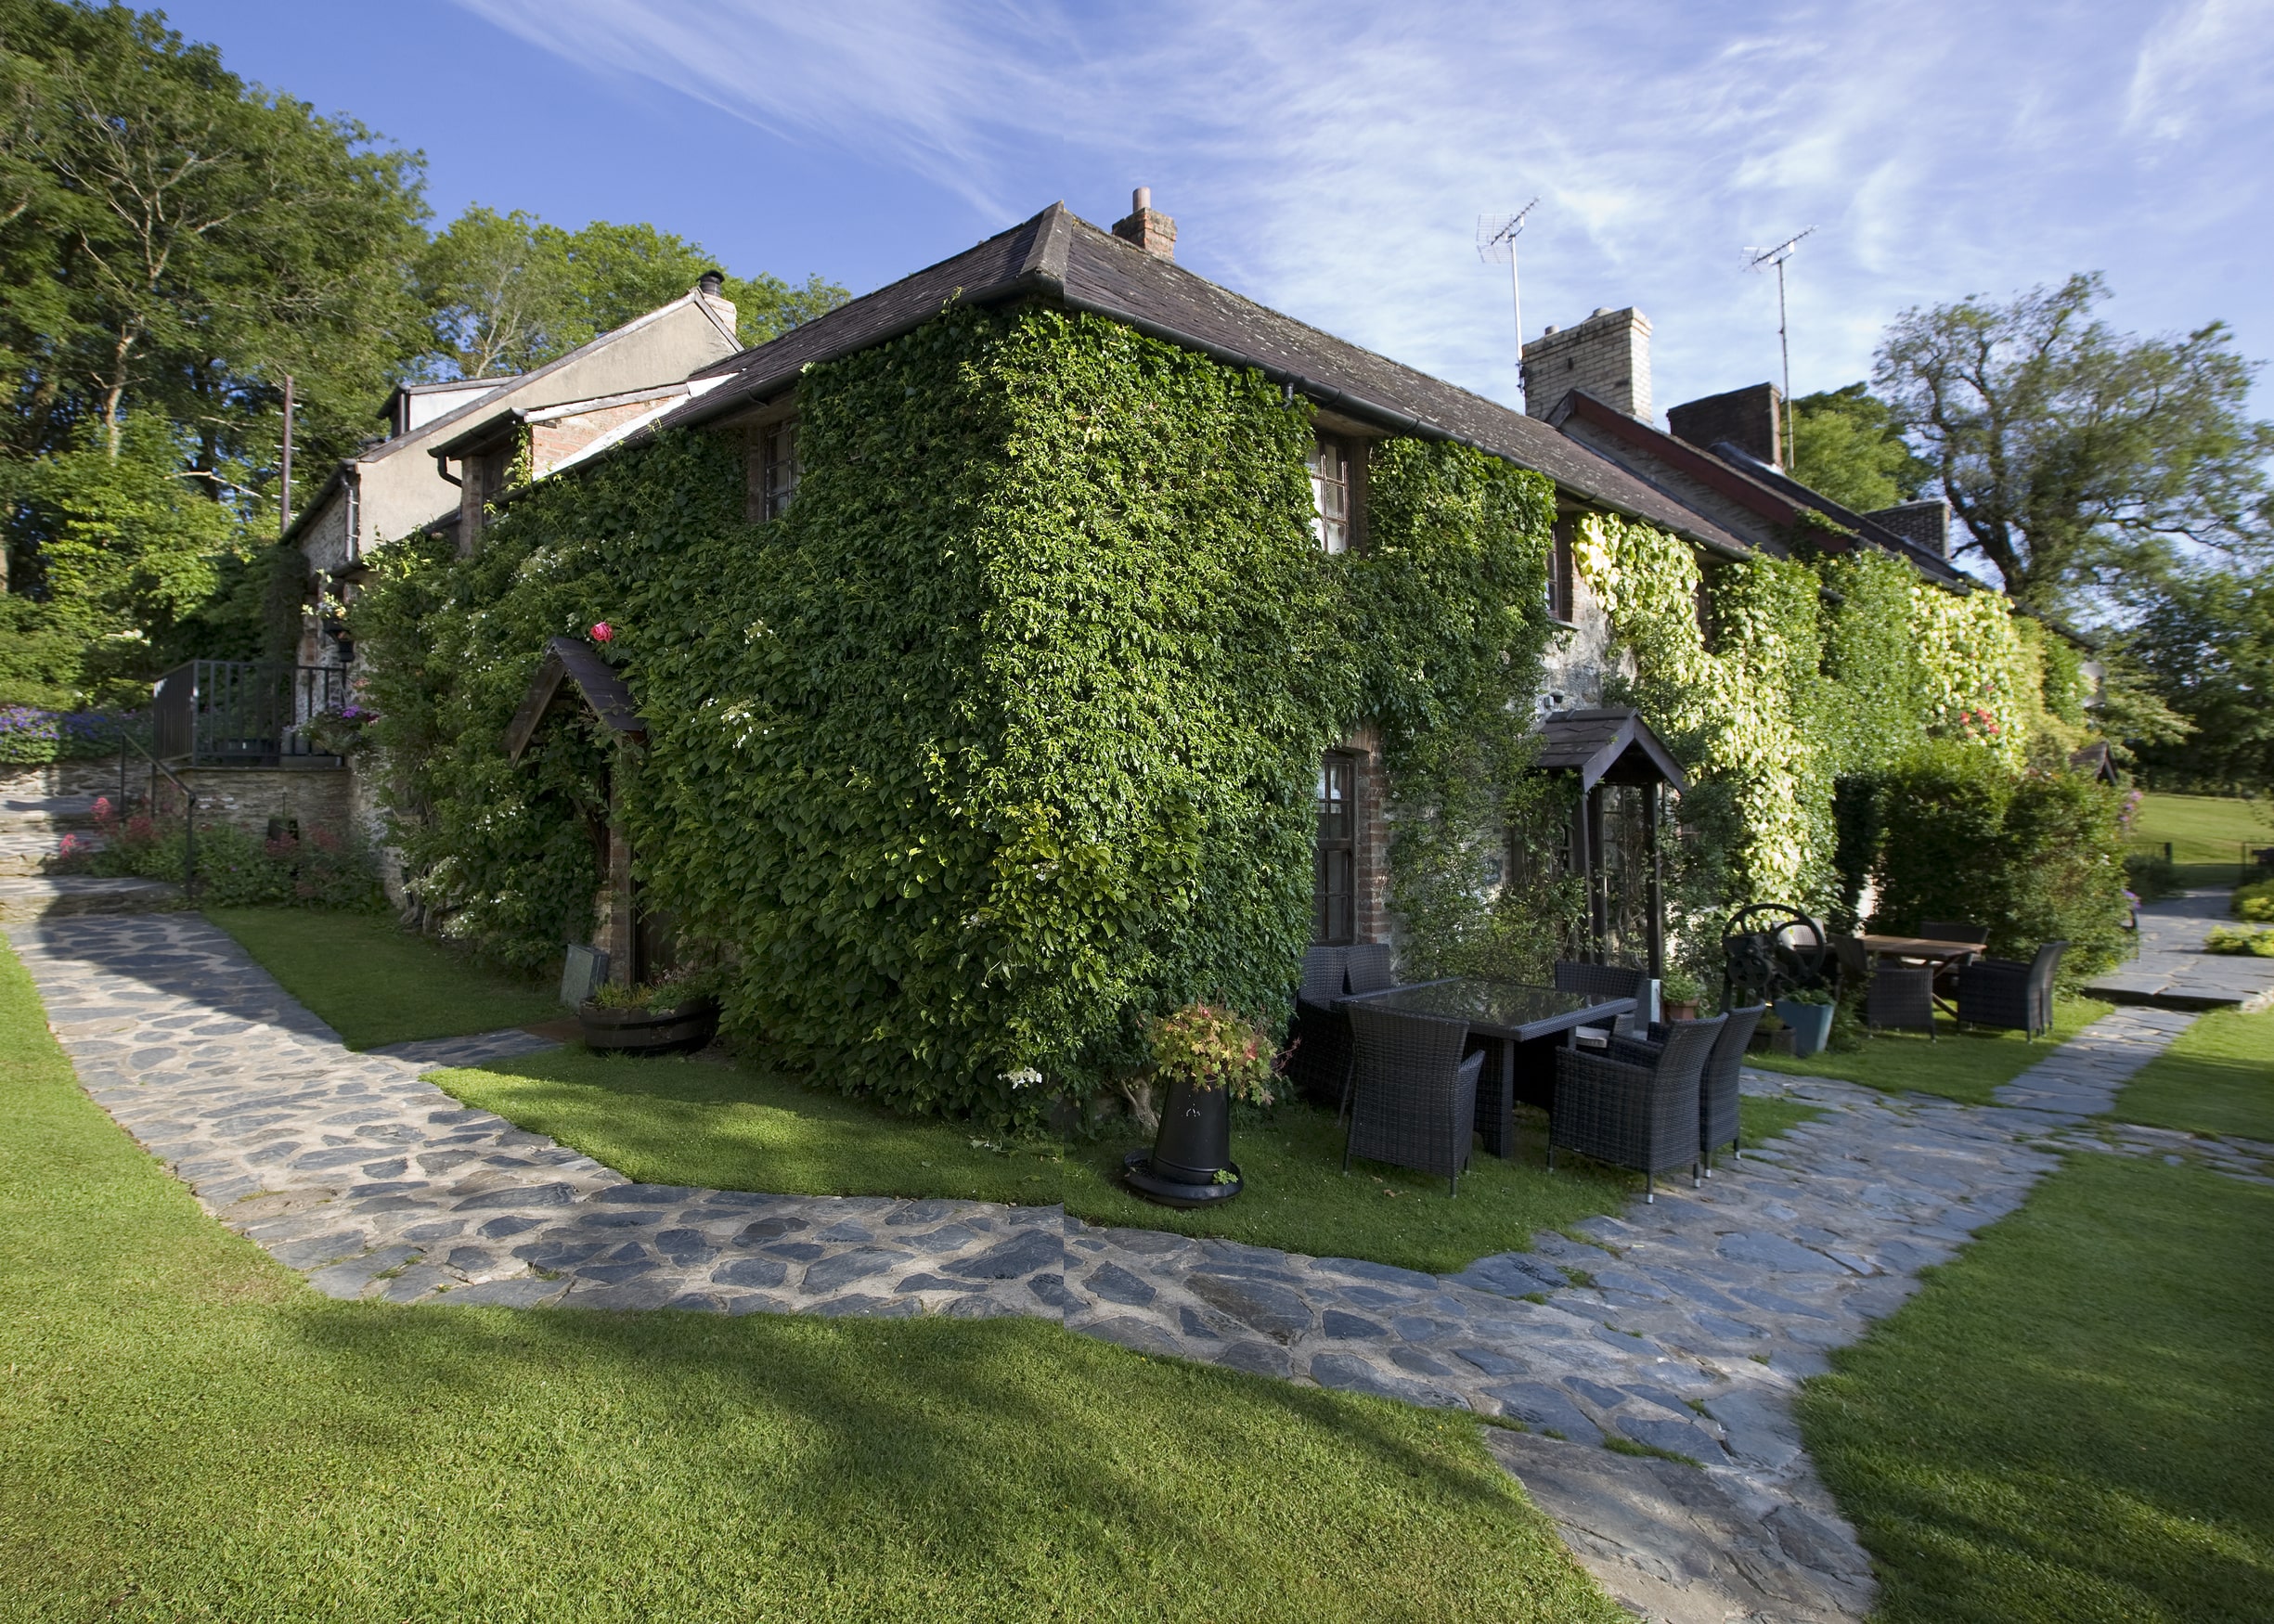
(1699, 1315)
(2172, 970)
(474, 1050)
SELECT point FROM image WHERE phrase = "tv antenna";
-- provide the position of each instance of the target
(1496, 236)
(1763, 259)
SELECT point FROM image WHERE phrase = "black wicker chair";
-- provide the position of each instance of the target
(1950, 930)
(1901, 997)
(1719, 1085)
(1415, 1097)
(2008, 994)
(1605, 981)
(1322, 1036)
(1370, 969)
(1631, 1114)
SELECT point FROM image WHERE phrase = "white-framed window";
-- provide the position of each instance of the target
(1332, 507)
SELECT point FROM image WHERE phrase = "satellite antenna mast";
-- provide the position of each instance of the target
(1763, 258)
(1496, 236)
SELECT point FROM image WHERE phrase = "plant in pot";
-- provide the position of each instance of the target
(1679, 994)
(1809, 1012)
(671, 1014)
(1205, 1058)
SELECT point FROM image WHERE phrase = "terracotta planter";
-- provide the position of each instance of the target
(1679, 1011)
(1190, 1164)
(681, 1030)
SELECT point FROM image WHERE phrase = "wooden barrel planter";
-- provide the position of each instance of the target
(681, 1030)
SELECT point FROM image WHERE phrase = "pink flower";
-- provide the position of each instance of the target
(602, 632)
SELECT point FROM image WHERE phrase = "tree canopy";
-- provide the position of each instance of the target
(2078, 456)
(172, 243)
(1847, 443)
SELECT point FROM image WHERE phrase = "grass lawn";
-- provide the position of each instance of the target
(2071, 1421)
(376, 982)
(2207, 833)
(2218, 1078)
(1965, 1066)
(186, 1432)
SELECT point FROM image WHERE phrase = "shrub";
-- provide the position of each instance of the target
(2255, 901)
(2240, 939)
(2034, 857)
(2150, 876)
(324, 868)
(31, 736)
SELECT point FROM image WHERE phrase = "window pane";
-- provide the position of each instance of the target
(781, 468)
(1330, 494)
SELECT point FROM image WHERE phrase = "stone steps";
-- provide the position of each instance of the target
(25, 899)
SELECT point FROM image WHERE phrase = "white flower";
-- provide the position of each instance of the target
(1025, 1077)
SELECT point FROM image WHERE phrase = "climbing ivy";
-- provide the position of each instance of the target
(1000, 741)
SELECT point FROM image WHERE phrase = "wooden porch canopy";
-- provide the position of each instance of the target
(1614, 747)
(569, 672)
(568, 660)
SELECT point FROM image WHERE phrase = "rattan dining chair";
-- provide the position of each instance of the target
(1414, 1100)
(1321, 1038)
(1632, 1113)
(1604, 981)
(1720, 1085)
(1370, 967)
(2009, 994)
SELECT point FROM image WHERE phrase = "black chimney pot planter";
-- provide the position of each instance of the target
(1193, 1147)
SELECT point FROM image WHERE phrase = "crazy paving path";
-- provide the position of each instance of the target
(1682, 1327)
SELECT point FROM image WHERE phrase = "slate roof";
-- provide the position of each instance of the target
(566, 660)
(1057, 256)
(1593, 743)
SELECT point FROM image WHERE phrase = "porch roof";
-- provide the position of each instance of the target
(1609, 743)
(566, 660)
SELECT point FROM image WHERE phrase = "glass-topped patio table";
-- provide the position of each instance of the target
(1525, 1025)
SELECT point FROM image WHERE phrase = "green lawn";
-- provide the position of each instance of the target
(740, 1128)
(1965, 1066)
(376, 982)
(2207, 833)
(186, 1432)
(2218, 1078)
(2071, 1422)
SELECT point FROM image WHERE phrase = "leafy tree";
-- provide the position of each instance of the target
(1847, 443)
(2073, 454)
(509, 292)
(2206, 641)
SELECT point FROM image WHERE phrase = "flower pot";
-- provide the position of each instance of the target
(1811, 1025)
(1193, 1148)
(680, 1030)
(1676, 1011)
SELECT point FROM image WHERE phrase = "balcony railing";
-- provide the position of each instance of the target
(240, 712)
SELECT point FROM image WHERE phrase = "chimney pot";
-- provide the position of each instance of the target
(1600, 310)
(1147, 226)
(709, 283)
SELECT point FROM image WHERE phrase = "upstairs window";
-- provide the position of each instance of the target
(1330, 494)
(1559, 600)
(778, 469)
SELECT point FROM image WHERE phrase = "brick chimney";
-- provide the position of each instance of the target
(1746, 419)
(1927, 523)
(1608, 356)
(1147, 226)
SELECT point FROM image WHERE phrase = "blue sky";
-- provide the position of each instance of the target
(1333, 158)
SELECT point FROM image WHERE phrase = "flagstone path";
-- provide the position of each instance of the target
(1679, 1329)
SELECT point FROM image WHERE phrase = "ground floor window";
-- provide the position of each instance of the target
(1335, 870)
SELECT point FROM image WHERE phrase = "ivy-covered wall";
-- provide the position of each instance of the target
(1003, 739)
(1814, 677)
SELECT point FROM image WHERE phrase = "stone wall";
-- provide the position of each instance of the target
(249, 797)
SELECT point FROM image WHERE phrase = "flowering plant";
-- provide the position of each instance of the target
(338, 731)
(1979, 724)
(602, 632)
(1212, 1048)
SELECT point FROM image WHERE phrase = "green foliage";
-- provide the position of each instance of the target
(2036, 857)
(2255, 901)
(509, 292)
(1208, 1048)
(2243, 941)
(322, 868)
(2205, 641)
(1444, 617)
(2074, 455)
(1001, 742)
(1847, 443)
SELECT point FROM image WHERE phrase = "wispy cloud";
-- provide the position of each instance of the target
(1333, 158)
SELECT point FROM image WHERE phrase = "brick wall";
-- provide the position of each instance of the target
(1373, 923)
(1608, 356)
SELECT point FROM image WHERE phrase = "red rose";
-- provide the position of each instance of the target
(602, 632)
